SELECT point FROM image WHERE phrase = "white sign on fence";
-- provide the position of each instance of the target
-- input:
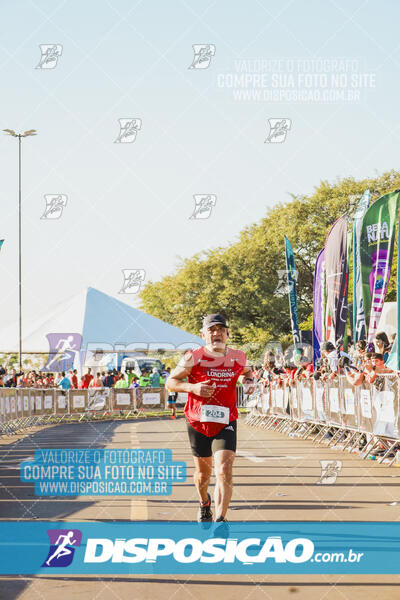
(279, 398)
(151, 399)
(348, 401)
(366, 404)
(78, 401)
(334, 399)
(306, 398)
(384, 406)
(123, 399)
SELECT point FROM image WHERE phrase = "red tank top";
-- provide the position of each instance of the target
(223, 372)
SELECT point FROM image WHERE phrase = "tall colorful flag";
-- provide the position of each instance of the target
(358, 303)
(292, 291)
(336, 266)
(319, 305)
(376, 253)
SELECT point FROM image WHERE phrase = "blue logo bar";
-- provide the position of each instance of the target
(185, 547)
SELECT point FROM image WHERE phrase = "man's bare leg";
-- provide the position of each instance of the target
(202, 474)
(224, 481)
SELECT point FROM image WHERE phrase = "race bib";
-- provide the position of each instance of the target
(214, 414)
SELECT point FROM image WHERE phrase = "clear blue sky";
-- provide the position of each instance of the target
(128, 204)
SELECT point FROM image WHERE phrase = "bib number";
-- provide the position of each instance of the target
(211, 413)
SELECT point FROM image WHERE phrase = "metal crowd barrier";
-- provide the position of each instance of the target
(27, 407)
(362, 418)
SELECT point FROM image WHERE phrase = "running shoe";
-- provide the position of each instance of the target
(221, 528)
(204, 514)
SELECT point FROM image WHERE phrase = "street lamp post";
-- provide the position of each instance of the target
(20, 136)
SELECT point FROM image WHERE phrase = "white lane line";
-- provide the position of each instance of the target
(260, 459)
(139, 508)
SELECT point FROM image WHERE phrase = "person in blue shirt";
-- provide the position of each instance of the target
(65, 383)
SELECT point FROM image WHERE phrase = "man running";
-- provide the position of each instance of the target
(211, 412)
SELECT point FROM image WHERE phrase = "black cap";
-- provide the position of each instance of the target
(215, 319)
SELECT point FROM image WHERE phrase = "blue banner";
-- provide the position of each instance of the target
(252, 547)
(292, 291)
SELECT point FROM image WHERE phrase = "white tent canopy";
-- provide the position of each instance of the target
(103, 321)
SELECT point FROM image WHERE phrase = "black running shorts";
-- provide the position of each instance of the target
(172, 398)
(203, 446)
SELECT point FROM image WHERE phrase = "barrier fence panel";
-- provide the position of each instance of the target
(333, 397)
(123, 400)
(266, 400)
(320, 399)
(278, 396)
(364, 416)
(78, 402)
(99, 400)
(150, 398)
(294, 402)
(385, 406)
(307, 405)
(13, 403)
(366, 423)
(26, 409)
(350, 402)
(48, 402)
(260, 393)
(37, 397)
(19, 403)
(61, 403)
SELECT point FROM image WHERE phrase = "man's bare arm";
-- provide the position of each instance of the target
(175, 381)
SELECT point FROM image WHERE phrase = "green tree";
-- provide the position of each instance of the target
(241, 279)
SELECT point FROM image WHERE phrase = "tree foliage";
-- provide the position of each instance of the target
(240, 280)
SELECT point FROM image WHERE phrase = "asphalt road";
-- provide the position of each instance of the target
(275, 480)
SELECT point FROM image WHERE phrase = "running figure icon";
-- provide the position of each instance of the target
(62, 549)
(64, 347)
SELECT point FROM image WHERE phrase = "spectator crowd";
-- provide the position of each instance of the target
(357, 364)
(71, 380)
